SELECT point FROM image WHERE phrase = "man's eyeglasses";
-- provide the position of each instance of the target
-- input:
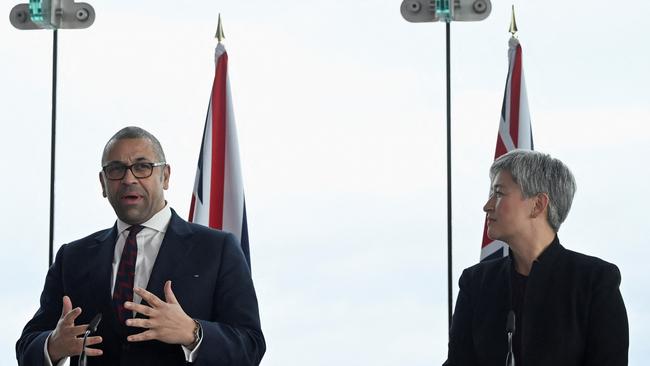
(139, 170)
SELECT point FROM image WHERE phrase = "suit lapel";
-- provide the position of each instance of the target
(541, 275)
(540, 280)
(100, 254)
(173, 251)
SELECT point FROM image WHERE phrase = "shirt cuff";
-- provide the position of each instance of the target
(48, 361)
(190, 355)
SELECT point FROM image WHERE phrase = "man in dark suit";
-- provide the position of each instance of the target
(568, 308)
(170, 292)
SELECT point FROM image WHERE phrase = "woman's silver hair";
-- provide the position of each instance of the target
(536, 173)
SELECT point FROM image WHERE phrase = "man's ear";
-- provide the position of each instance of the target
(165, 176)
(102, 183)
(540, 206)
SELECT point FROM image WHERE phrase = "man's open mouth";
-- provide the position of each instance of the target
(131, 198)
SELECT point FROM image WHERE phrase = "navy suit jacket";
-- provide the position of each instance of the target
(574, 314)
(210, 278)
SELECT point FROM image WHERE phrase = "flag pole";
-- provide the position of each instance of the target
(55, 43)
(449, 233)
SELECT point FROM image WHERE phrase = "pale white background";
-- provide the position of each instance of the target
(341, 118)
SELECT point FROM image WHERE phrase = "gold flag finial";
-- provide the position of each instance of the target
(219, 35)
(513, 23)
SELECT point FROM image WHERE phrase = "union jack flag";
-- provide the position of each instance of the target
(218, 197)
(515, 131)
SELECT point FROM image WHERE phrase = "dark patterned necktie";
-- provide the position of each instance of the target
(123, 290)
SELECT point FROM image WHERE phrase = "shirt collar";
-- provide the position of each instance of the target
(158, 222)
(547, 256)
(551, 251)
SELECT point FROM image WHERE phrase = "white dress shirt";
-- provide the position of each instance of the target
(149, 240)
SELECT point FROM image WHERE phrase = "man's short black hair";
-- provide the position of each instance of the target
(133, 132)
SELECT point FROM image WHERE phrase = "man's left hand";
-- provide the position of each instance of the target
(167, 321)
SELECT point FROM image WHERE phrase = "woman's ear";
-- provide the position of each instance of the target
(540, 205)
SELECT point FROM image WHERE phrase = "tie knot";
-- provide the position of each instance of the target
(134, 230)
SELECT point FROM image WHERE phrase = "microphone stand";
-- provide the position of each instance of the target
(510, 329)
(92, 327)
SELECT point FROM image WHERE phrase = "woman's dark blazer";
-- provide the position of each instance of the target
(574, 313)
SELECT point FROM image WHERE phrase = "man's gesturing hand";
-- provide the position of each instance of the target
(64, 341)
(167, 321)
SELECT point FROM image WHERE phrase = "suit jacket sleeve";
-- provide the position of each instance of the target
(461, 346)
(608, 335)
(234, 337)
(29, 348)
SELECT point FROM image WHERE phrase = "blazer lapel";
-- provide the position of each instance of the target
(101, 252)
(540, 280)
(541, 275)
(173, 251)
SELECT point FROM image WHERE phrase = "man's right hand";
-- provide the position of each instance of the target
(64, 340)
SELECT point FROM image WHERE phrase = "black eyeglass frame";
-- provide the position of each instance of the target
(130, 167)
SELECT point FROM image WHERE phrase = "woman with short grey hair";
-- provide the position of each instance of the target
(567, 306)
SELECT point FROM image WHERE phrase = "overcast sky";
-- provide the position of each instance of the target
(340, 108)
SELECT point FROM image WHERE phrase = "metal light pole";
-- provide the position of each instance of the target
(52, 14)
(419, 11)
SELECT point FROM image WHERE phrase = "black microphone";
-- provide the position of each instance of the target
(92, 328)
(510, 329)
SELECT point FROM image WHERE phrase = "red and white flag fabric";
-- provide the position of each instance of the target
(514, 131)
(218, 197)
